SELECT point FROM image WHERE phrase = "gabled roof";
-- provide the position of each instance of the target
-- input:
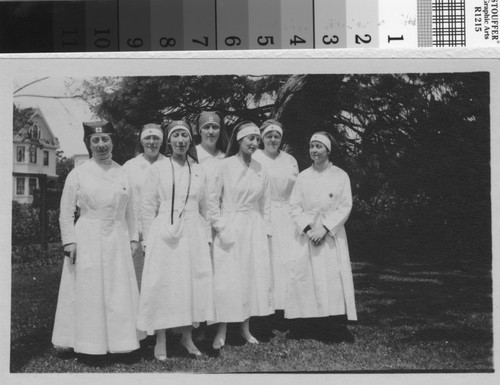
(65, 118)
(47, 137)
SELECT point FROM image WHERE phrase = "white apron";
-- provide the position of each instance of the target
(320, 280)
(282, 171)
(239, 210)
(98, 296)
(177, 280)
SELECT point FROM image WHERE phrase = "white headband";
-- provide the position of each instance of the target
(272, 127)
(248, 130)
(152, 131)
(211, 120)
(322, 139)
(179, 127)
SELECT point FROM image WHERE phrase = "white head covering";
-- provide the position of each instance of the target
(152, 129)
(178, 125)
(249, 129)
(322, 139)
(272, 127)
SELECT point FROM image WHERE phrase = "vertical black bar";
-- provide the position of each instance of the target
(26, 26)
(314, 24)
(43, 211)
(215, 2)
(118, 22)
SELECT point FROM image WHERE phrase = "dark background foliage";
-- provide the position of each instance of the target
(416, 146)
(417, 150)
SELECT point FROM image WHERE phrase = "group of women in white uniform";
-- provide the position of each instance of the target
(229, 232)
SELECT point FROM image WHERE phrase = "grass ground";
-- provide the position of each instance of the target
(412, 317)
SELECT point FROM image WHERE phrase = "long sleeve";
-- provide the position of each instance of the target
(131, 215)
(150, 201)
(214, 194)
(203, 205)
(295, 168)
(136, 195)
(265, 204)
(299, 218)
(334, 220)
(67, 209)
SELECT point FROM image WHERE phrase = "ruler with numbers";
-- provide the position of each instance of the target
(173, 25)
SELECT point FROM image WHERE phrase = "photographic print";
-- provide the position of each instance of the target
(285, 216)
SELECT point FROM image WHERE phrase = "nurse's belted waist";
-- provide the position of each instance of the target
(166, 208)
(239, 208)
(315, 212)
(107, 214)
(276, 203)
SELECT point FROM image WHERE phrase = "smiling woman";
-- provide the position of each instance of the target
(213, 136)
(239, 210)
(90, 318)
(150, 147)
(176, 287)
(320, 282)
(282, 169)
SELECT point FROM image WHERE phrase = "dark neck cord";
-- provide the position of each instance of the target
(173, 190)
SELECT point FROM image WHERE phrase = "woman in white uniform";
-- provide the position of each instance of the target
(150, 148)
(210, 127)
(177, 280)
(98, 295)
(320, 280)
(239, 209)
(212, 148)
(282, 169)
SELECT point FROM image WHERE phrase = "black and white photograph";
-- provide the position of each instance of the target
(244, 215)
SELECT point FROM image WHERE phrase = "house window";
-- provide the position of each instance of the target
(34, 132)
(20, 186)
(45, 158)
(20, 153)
(32, 186)
(33, 155)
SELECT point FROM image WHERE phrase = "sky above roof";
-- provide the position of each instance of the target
(63, 112)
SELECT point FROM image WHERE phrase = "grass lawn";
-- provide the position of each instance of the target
(412, 317)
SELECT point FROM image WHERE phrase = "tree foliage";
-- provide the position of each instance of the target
(131, 102)
(21, 118)
(416, 146)
(63, 166)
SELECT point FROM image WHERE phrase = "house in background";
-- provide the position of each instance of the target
(35, 158)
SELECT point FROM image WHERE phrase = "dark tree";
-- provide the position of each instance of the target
(416, 146)
(136, 101)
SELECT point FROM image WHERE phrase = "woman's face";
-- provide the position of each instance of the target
(101, 146)
(151, 145)
(249, 144)
(318, 151)
(210, 134)
(179, 140)
(272, 141)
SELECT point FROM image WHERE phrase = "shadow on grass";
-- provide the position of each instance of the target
(431, 302)
(109, 360)
(454, 335)
(413, 314)
(325, 329)
(329, 330)
(24, 349)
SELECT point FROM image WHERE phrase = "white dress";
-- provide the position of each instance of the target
(98, 296)
(239, 210)
(204, 155)
(320, 280)
(177, 280)
(282, 171)
(137, 169)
